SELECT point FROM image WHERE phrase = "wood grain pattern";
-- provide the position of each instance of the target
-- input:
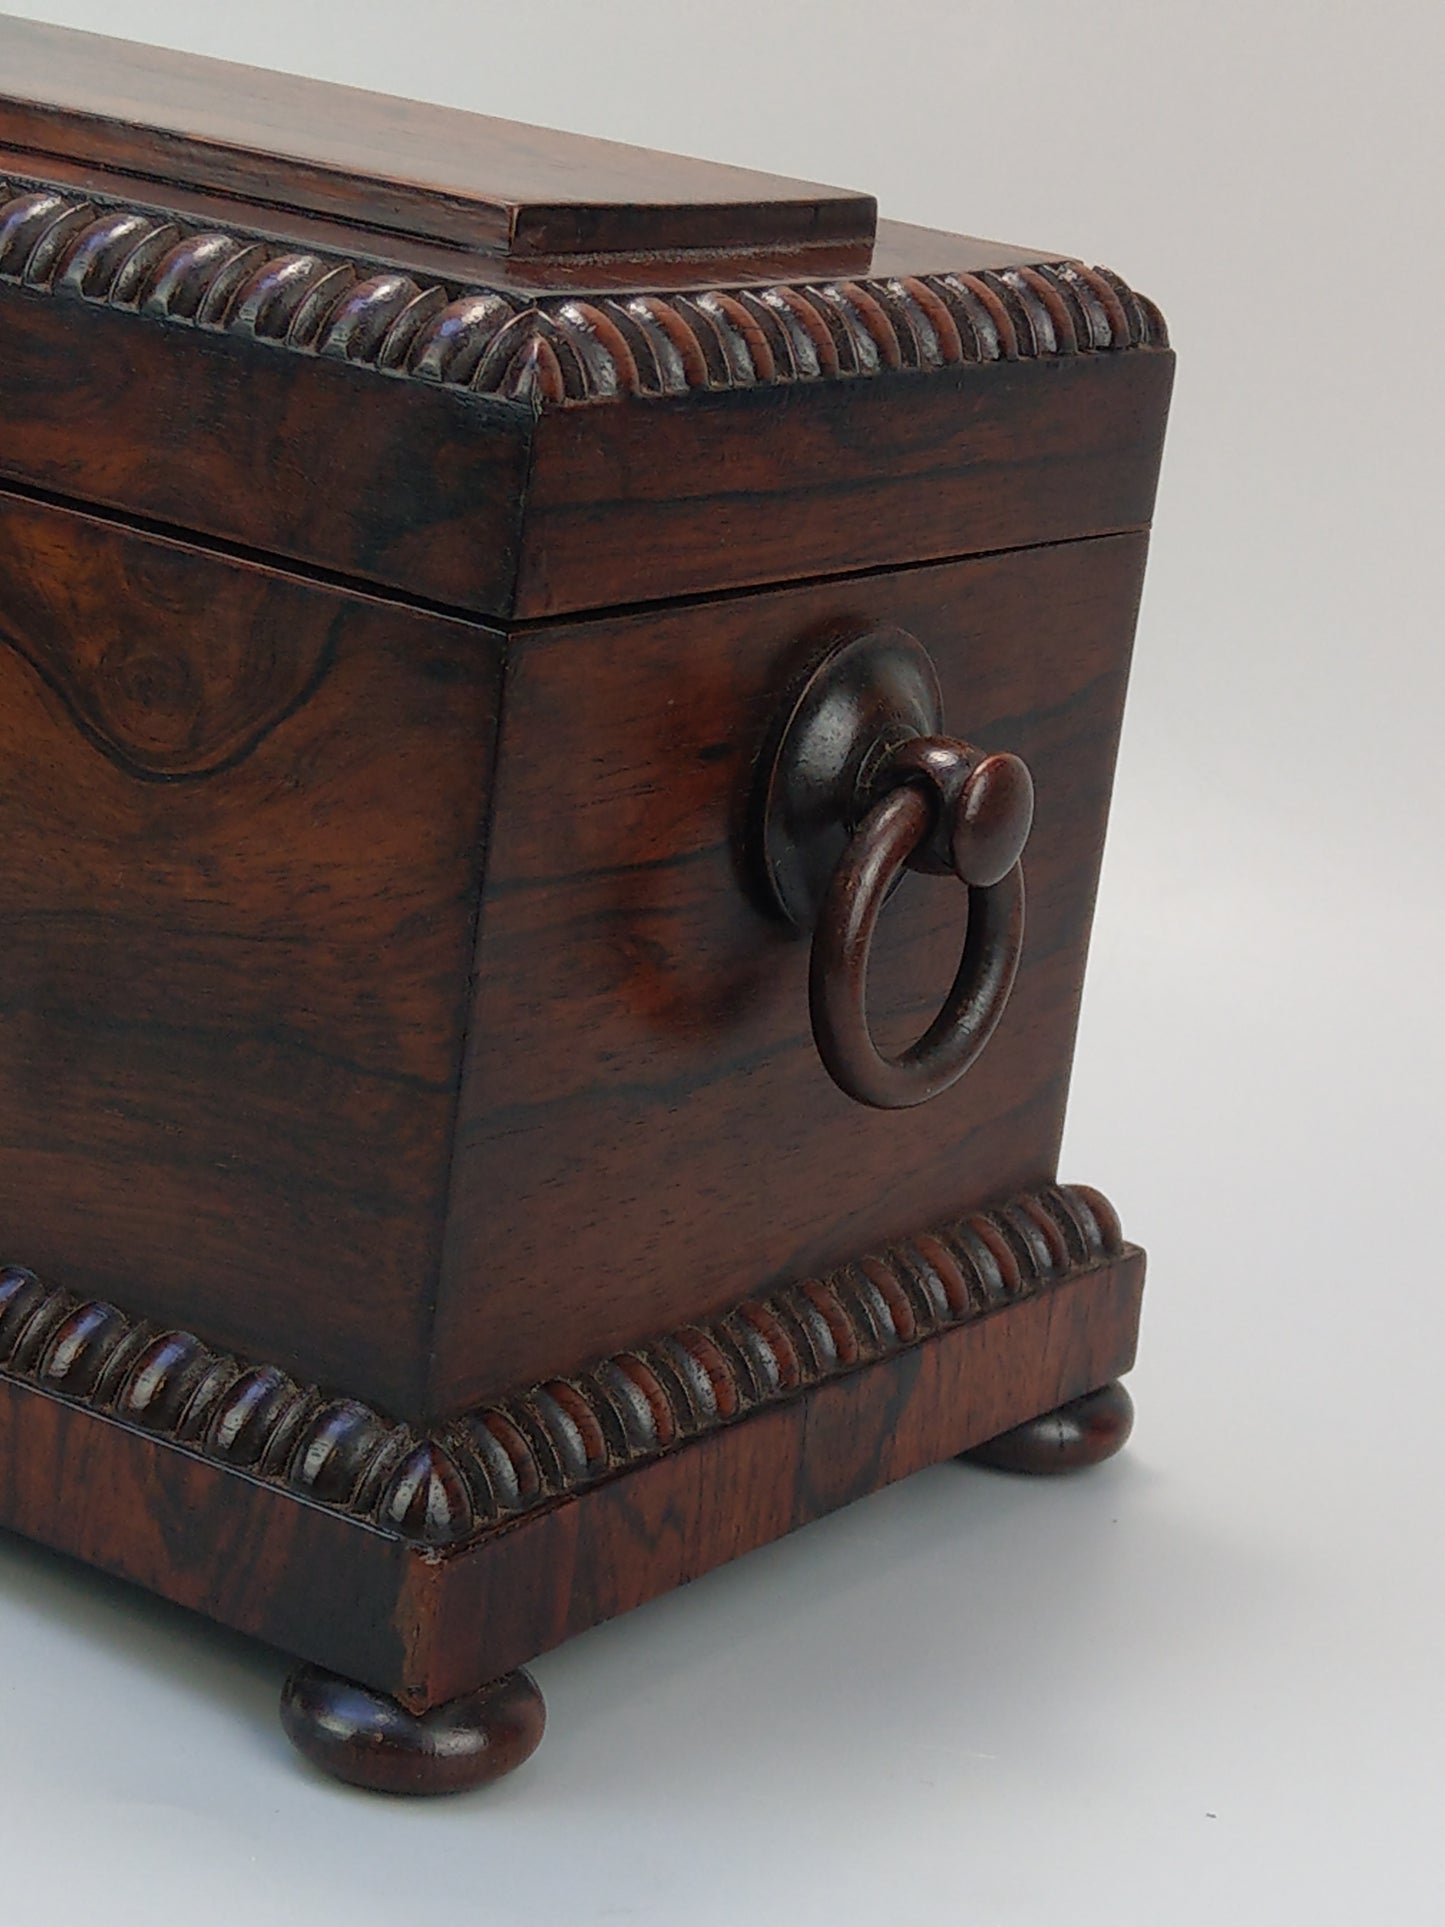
(475, 502)
(899, 247)
(487, 1609)
(569, 349)
(553, 1440)
(307, 1579)
(445, 1233)
(410, 485)
(236, 991)
(469, 180)
(428, 1623)
(160, 696)
(243, 821)
(721, 491)
(959, 400)
(643, 1093)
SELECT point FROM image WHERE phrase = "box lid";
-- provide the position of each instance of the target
(491, 188)
(519, 372)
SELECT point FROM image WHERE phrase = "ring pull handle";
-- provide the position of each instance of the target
(949, 809)
(857, 784)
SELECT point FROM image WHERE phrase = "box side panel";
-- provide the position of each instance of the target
(308, 1580)
(405, 483)
(240, 827)
(646, 1133)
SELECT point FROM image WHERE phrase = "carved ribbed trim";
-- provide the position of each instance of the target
(560, 1437)
(564, 349)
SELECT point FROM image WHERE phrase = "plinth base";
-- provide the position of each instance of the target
(424, 1569)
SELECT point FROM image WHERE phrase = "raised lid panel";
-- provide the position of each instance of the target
(437, 174)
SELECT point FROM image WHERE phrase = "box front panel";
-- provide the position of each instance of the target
(646, 1132)
(241, 818)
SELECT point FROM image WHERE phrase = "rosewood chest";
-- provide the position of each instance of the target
(558, 710)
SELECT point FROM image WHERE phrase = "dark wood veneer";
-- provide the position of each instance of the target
(226, 793)
(193, 914)
(798, 431)
(640, 1031)
(436, 1222)
(492, 187)
(459, 1479)
(426, 1623)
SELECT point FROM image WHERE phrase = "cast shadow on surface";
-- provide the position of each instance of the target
(961, 1616)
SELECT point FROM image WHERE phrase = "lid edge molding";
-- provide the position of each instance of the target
(562, 349)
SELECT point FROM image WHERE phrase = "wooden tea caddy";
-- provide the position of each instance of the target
(488, 618)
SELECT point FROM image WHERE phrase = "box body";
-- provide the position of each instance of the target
(412, 1112)
(645, 1123)
(424, 1082)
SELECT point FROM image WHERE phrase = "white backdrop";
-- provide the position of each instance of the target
(1204, 1682)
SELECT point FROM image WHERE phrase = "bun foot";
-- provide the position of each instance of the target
(372, 1741)
(1086, 1431)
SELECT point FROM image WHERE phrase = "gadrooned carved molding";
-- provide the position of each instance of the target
(563, 349)
(560, 1437)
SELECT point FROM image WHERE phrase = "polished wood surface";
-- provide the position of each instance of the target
(1083, 1432)
(898, 247)
(490, 187)
(979, 808)
(432, 443)
(448, 1484)
(426, 1625)
(245, 820)
(421, 488)
(242, 820)
(418, 488)
(772, 484)
(369, 1740)
(645, 1119)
